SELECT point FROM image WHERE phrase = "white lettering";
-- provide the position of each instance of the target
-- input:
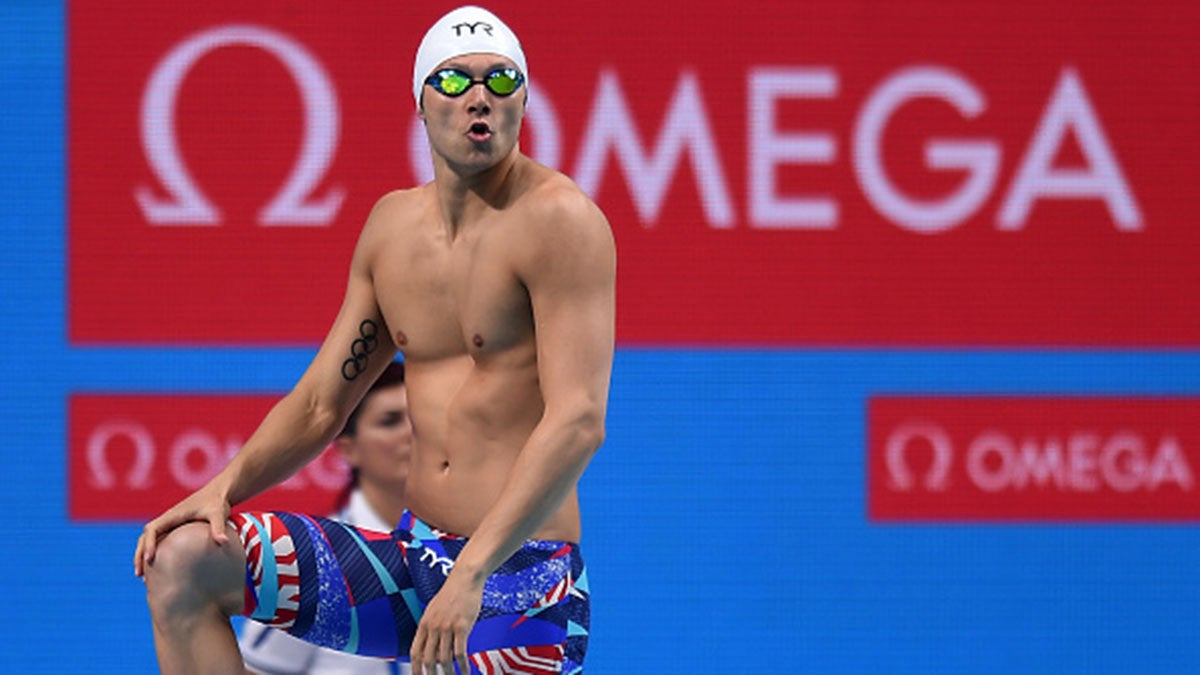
(1123, 462)
(186, 204)
(896, 450)
(686, 128)
(1070, 110)
(191, 447)
(985, 446)
(769, 148)
(1170, 465)
(328, 471)
(1083, 462)
(431, 558)
(213, 457)
(100, 474)
(981, 159)
(1042, 465)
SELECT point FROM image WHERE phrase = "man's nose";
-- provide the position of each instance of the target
(477, 100)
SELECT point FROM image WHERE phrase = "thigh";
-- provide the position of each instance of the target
(328, 583)
(363, 592)
(535, 614)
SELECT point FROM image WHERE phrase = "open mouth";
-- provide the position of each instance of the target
(480, 131)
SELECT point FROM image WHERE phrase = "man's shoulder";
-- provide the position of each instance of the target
(400, 202)
(557, 217)
(396, 210)
(553, 189)
(554, 200)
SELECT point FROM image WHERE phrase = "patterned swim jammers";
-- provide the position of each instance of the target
(363, 592)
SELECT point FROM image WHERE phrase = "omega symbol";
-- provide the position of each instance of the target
(100, 473)
(185, 204)
(895, 457)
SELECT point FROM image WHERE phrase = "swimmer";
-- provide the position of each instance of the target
(496, 282)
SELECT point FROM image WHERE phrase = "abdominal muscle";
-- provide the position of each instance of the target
(470, 423)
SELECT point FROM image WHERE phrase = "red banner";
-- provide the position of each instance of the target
(1021, 459)
(133, 456)
(921, 173)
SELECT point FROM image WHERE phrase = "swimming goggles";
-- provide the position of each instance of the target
(453, 82)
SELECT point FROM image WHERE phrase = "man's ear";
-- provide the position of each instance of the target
(345, 445)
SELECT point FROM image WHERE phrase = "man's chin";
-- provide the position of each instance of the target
(480, 159)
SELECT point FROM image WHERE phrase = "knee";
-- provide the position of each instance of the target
(190, 570)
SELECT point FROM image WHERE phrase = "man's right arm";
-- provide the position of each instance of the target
(356, 350)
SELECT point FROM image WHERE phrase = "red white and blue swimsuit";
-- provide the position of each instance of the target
(364, 592)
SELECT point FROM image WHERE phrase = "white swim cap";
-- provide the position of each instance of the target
(466, 30)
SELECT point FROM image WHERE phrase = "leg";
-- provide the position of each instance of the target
(548, 635)
(193, 587)
(362, 592)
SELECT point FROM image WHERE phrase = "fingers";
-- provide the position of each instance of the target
(416, 654)
(144, 554)
(425, 656)
(217, 527)
(460, 651)
(147, 544)
(442, 650)
(437, 652)
(137, 558)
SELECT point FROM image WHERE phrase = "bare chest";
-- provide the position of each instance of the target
(442, 300)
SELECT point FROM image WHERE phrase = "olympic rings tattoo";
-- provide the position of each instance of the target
(360, 349)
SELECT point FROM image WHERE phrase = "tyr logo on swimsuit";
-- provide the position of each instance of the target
(434, 560)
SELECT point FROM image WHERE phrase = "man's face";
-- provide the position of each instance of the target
(474, 131)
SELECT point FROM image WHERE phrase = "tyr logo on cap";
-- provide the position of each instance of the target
(466, 30)
(458, 28)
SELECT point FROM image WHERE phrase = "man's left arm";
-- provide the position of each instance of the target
(571, 282)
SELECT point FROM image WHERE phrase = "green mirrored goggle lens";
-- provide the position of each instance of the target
(451, 82)
(503, 82)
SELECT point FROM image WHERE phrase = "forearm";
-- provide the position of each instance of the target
(545, 473)
(292, 434)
